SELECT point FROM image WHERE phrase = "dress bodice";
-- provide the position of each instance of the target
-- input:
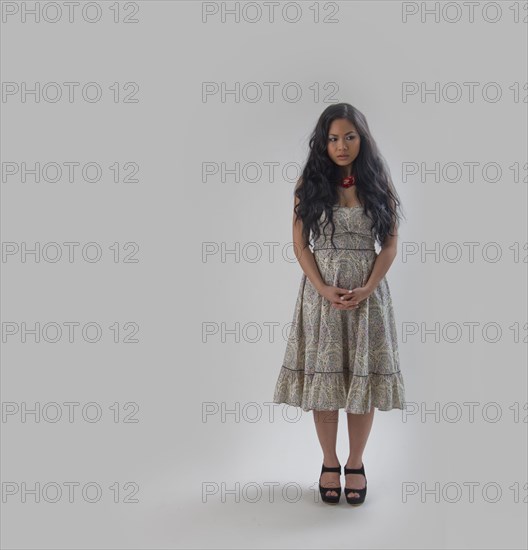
(352, 230)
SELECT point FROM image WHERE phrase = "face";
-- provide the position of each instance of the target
(343, 142)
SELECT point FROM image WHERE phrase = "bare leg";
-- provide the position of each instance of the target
(326, 426)
(359, 426)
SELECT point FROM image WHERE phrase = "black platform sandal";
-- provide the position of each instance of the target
(330, 499)
(356, 501)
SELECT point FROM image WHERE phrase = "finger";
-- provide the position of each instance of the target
(345, 302)
(343, 290)
(344, 306)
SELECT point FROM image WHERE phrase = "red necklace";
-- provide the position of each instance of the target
(349, 181)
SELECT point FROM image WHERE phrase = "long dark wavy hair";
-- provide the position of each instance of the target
(317, 188)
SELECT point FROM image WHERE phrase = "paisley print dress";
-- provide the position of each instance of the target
(342, 358)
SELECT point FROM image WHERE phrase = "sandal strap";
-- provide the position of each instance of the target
(336, 469)
(355, 470)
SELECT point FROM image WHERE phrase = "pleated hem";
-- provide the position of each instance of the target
(330, 391)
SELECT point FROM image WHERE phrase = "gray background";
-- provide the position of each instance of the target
(174, 291)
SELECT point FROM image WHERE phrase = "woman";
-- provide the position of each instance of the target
(342, 351)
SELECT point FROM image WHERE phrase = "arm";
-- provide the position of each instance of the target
(308, 264)
(305, 256)
(379, 269)
(383, 261)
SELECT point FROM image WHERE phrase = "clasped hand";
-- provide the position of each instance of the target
(343, 298)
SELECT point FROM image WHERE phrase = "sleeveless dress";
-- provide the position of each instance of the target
(342, 358)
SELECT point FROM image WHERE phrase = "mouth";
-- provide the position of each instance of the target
(342, 156)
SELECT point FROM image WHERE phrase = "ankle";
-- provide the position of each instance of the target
(354, 462)
(331, 461)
